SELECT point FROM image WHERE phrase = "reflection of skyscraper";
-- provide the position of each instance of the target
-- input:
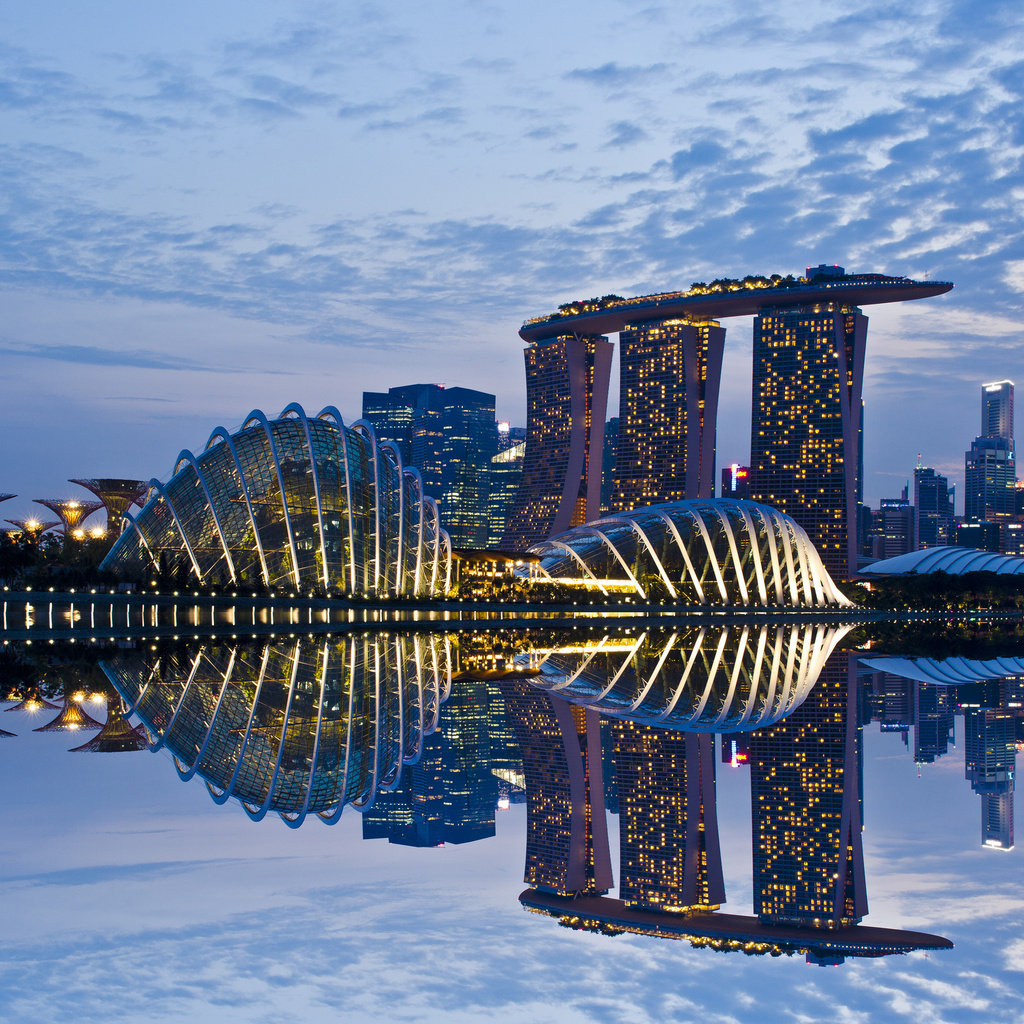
(990, 758)
(449, 795)
(805, 426)
(668, 405)
(808, 859)
(933, 722)
(566, 396)
(668, 823)
(566, 833)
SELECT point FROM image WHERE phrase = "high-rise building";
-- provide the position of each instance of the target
(933, 722)
(611, 442)
(506, 475)
(933, 509)
(894, 530)
(990, 475)
(805, 425)
(990, 761)
(450, 436)
(566, 831)
(566, 397)
(808, 855)
(997, 409)
(670, 858)
(736, 482)
(669, 378)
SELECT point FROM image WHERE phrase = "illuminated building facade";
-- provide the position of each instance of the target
(808, 856)
(669, 856)
(566, 397)
(990, 475)
(805, 425)
(736, 482)
(566, 833)
(295, 502)
(668, 407)
(506, 475)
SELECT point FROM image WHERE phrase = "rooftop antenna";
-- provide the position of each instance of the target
(918, 460)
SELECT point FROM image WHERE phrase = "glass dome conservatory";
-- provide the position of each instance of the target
(722, 552)
(293, 502)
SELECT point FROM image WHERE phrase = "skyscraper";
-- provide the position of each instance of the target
(805, 424)
(669, 378)
(933, 509)
(450, 436)
(808, 856)
(566, 397)
(990, 474)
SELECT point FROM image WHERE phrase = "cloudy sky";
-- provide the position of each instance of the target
(129, 895)
(208, 208)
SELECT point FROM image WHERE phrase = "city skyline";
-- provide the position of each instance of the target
(315, 199)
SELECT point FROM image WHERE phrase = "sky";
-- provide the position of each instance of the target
(210, 208)
(130, 895)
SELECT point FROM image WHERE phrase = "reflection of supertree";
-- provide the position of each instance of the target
(5, 735)
(118, 735)
(7, 497)
(298, 728)
(73, 717)
(33, 702)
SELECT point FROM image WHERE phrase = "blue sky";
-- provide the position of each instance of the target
(130, 895)
(210, 208)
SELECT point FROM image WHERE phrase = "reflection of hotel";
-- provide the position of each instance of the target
(566, 832)
(669, 855)
(808, 859)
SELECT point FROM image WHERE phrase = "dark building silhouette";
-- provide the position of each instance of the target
(808, 858)
(611, 442)
(669, 379)
(566, 397)
(669, 853)
(933, 722)
(736, 482)
(566, 833)
(933, 509)
(805, 426)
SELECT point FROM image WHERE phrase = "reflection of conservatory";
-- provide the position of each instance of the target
(693, 552)
(294, 502)
(298, 729)
(700, 679)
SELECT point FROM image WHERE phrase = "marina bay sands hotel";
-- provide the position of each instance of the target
(805, 445)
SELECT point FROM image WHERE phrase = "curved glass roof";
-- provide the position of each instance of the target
(953, 560)
(710, 552)
(950, 671)
(293, 502)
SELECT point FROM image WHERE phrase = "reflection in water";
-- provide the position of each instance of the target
(300, 728)
(728, 679)
(118, 735)
(72, 717)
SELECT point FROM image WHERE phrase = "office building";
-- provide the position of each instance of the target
(808, 856)
(566, 398)
(990, 477)
(450, 436)
(506, 475)
(933, 509)
(894, 527)
(669, 853)
(669, 375)
(985, 535)
(736, 482)
(805, 425)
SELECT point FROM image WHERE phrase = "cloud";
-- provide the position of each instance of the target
(616, 76)
(625, 133)
(92, 356)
